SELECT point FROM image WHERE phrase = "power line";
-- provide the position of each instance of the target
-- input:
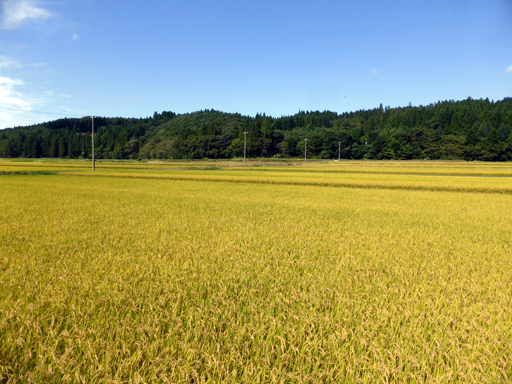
(41, 112)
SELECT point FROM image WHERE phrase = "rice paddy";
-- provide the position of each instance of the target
(345, 272)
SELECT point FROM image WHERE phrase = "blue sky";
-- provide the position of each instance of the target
(131, 58)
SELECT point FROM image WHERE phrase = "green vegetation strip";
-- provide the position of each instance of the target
(10, 173)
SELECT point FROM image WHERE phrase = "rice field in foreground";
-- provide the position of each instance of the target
(309, 273)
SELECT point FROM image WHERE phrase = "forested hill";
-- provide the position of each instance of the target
(468, 129)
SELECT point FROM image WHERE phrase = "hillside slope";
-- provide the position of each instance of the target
(468, 129)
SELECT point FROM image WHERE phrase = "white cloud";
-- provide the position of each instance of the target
(509, 69)
(75, 36)
(17, 108)
(12, 102)
(16, 12)
(8, 96)
(374, 72)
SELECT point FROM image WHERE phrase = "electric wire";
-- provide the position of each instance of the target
(41, 112)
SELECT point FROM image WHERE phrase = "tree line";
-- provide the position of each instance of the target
(468, 129)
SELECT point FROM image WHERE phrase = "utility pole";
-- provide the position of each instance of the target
(305, 150)
(245, 145)
(339, 150)
(92, 143)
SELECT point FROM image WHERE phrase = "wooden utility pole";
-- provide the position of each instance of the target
(245, 145)
(92, 138)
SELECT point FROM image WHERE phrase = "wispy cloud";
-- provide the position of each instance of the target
(75, 36)
(374, 72)
(7, 62)
(16, 12)
(509, 69)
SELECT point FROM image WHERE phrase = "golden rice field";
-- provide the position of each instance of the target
(341, 272)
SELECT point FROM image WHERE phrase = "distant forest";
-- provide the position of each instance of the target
(468, 129)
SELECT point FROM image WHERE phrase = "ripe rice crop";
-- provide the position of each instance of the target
(488, 184)
(146, 277)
